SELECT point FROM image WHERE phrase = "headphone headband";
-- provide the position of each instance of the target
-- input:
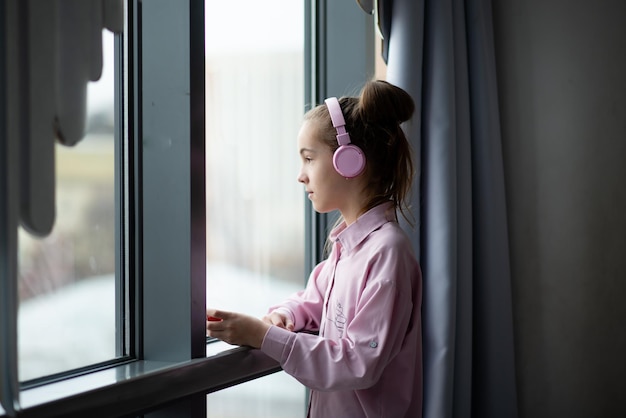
(339, 123)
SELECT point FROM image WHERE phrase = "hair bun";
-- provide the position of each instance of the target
(383, 103)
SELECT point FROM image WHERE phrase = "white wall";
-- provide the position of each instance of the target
(562, 84)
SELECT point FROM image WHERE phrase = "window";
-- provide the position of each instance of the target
(67, 279)
(183, 206)
(254, 106)
(255, 207)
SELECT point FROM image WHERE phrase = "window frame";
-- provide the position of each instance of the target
(164, 125)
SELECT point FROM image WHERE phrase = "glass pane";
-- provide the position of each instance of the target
(255, 207)
(66, 316)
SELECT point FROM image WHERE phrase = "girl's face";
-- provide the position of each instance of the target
(326, 188)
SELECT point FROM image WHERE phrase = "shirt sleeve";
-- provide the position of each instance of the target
(372, 338)
(305, 306)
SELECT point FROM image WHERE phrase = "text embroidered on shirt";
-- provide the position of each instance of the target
(340, 319)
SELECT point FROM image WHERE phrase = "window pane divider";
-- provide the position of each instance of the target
(11, 130)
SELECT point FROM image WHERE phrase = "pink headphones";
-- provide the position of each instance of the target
(349, 160)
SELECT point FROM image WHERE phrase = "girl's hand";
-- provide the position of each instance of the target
(280, 320)
(235, 328)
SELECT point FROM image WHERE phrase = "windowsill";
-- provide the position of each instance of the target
(142, 385)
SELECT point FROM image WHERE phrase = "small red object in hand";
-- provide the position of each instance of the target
(212, 318)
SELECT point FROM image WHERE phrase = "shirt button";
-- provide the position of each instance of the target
(373, 344)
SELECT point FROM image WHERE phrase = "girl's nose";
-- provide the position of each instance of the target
(301, 177)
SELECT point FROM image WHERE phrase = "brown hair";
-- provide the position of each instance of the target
(373, 121)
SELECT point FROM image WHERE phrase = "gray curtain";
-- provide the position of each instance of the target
(442, 53)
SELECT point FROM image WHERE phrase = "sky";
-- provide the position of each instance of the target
(240, 25)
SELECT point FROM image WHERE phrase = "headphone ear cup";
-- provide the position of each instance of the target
(349, 160)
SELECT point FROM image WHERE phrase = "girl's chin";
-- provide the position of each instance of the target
(321, 209)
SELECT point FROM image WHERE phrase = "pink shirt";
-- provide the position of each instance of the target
(365, 301)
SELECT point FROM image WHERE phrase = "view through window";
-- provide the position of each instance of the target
(66, 316)
(255, 207)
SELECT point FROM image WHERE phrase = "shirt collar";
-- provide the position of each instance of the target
(353, 235)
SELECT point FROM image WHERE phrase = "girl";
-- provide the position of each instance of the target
(362, 354)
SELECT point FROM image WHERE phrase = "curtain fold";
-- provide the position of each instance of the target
(441, 52)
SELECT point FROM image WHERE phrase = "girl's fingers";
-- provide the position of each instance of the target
(281, 321)
(216, 315)
(289, 325)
